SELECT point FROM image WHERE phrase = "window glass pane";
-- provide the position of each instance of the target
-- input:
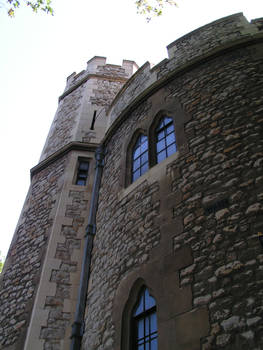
(143, 138)
(149, 301)
(140, 329)
(136, 175)
(170, 129)
(167, 120)
(138, 142)
(82, 173)
(160, 145)
(81, 182)
(144, 158)
(145, 322)
(171, 149)
(139, 307)
(144, 147)
(84, 166)
(161, 156)
(140, 157)
(147, 325)
(136, 153)
(160, 135)
(136, 164)
(154, 344)
(166, 141)
(170, 139)
(153, 318)
(160, 125)
(144, 168)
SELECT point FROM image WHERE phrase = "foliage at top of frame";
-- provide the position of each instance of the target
(43, 5)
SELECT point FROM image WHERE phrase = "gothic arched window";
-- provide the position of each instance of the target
(144, 323)
(165, 139)
(140, 162)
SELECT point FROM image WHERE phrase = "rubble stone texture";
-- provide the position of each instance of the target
(187, 228)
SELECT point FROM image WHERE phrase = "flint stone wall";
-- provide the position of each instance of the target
(207, 198)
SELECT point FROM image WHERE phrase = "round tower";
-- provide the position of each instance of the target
(177, 260)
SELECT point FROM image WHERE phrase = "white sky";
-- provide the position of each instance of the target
(38, 52)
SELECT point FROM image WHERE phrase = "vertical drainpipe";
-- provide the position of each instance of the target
(78, 325)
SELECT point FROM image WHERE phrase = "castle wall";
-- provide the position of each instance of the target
(55, 303)
(184, 52)
(187, 228)
(22, 269)
(41, 276)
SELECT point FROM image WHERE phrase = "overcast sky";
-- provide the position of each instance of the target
(38, 52)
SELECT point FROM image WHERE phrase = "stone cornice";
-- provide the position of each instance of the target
(86, 78)
(72, 146)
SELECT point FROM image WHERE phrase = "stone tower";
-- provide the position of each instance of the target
(158, 245)
(42, 271)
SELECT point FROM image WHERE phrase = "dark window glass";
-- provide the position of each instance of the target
(82, 173)
(145, 331)
(84, 165)
(140, 162)
(165, 139)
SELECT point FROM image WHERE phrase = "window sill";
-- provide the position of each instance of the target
(152, 175)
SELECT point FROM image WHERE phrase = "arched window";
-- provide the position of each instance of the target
(165, 139)
(140, 162)
(144, 323)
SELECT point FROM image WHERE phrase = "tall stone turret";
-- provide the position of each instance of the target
(40, 279)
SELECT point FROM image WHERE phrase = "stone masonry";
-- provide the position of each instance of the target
(188, 228)
(206, 198)
(26, 254)
(40, 279)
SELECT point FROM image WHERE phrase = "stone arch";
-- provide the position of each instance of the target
(127, 311)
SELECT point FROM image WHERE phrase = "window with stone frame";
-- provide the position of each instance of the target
(82, 172)
(144, 323)
(140, 157)
(165, 140)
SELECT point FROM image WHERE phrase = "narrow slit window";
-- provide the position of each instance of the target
(140, 161)
(82, 173)
(93, 120)
(165, 139)
(144, 323)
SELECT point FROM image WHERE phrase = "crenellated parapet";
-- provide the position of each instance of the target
(184, 222)
(98, 66)
(86, 97)
(183, 54)
(177, 200)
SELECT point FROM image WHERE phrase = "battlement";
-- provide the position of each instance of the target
(98, 66)
(210, 36)
(183, 206)
(184, 52)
